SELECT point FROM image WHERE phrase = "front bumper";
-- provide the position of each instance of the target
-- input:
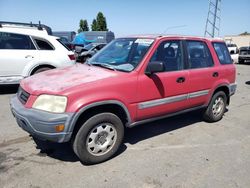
(41, 124)
(244, 58)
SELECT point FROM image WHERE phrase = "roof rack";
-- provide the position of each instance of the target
(39, 26)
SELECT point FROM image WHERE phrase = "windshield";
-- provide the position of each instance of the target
(122, 54)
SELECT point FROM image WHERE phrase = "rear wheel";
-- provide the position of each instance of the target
(99, 138)
(216, 107)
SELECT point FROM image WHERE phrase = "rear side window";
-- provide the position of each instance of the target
(222, 53)
(199, 55)
(43, 45)
(15, 41)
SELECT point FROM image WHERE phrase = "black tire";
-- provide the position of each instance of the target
(212, 114)
(41, 70)
(82, 142)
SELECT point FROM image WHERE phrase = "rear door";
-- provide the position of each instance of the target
(202, 72)
(164, 92)
(16, 51)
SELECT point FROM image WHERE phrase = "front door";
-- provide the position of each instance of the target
(164, 92)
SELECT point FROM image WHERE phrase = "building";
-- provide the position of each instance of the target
(239, 40)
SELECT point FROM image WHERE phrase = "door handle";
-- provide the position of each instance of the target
(180, 80)
(215, 74)
(29, 56)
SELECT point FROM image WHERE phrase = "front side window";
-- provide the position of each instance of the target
(170, 53)
(199, 55)
(122, 54)
(15, 41)
(43, 45)
(222, 53)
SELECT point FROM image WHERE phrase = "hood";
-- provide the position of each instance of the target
(57, 80)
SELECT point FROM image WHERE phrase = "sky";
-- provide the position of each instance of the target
(185, 17)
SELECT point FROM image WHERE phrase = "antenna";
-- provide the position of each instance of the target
(213, 19)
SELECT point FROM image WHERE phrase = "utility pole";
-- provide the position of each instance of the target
(213, 19)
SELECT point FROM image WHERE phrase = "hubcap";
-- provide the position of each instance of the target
(218, 106)
(101, 139)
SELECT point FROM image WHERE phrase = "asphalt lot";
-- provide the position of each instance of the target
(181, 151)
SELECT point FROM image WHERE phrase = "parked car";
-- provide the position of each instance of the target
(232, 48)
(244, 55)
(234, 51)
(27, 49)
(131, 81)
(88, 51)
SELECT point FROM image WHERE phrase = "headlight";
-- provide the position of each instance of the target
(51, 103)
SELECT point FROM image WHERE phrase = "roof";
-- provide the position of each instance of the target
(24, 31)
(24, 28)
(155, 36)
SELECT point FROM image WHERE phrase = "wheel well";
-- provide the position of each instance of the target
(225, 89)
(112, 108)
(41, 66)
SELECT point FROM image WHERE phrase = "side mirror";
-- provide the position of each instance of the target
(154, 67)
(231, 52)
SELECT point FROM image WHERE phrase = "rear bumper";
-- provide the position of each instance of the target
(41, 124)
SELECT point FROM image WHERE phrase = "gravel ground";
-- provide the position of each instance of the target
(181, 151)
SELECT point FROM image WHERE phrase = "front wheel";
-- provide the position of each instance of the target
(99, 138)
(216, 107)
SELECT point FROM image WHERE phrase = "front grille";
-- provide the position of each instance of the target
(245, 52)
(22, 95)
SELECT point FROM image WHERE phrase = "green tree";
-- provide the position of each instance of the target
(83, 26)
(101, 23)
(245, 33)
(94, 25)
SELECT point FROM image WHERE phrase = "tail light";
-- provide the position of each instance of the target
(72, 57)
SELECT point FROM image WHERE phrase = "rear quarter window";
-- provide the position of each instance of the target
(63, 44)
(222, 53)
(43, 45)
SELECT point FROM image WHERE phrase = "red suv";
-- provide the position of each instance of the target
(131, 81)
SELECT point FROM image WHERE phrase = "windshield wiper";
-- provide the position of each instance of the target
(104, 65)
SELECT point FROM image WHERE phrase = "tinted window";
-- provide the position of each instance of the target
(43, 45)
(15, 41)
(170, 53)
(222, 53)
(64, 45)
(198, 55)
